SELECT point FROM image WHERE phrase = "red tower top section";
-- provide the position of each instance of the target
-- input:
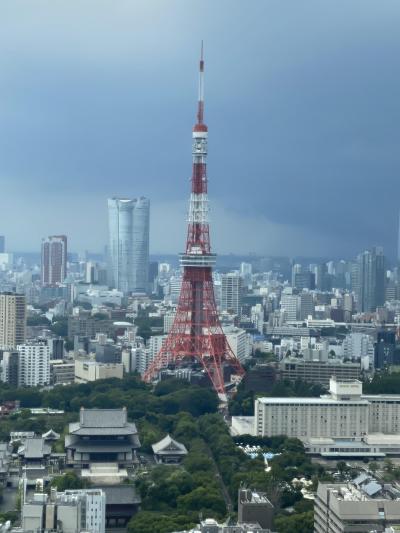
(198, 240)
(200, 126)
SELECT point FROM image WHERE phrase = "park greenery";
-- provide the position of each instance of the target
(147, 325)
(207, 482)
(383, 382)
(243, 401)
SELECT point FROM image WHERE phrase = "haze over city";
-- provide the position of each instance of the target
(301, 100)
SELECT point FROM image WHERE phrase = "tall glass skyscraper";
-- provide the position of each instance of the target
(129, 243)
(371, 280)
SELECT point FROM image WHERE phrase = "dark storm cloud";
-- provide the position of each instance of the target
(98, 99)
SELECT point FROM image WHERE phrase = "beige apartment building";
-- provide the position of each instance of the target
(12, 320)
(86, 370)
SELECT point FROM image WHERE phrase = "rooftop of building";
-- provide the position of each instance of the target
(104, 422)
(169, 445)
(34, 448)
(334, 361)
(252, 496)
(363, 488)
(121, 494)
(322, 400)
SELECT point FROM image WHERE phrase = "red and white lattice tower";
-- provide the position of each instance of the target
(196, 333)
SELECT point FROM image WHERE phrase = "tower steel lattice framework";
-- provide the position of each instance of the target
(196, 333)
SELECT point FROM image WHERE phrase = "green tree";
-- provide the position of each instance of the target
(202, 500)
(300, 523)
(68, 481)
(153, 522)
(373, 466)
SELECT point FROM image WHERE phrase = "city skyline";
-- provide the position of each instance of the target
(317, 123)
(167, 368)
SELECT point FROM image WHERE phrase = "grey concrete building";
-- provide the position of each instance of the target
(318, 371)
(364, 505)
(255, 507)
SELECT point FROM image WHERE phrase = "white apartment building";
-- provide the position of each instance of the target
(359, 346)
(239, 341)
(154, 345)
(231, 292)
(142, 360)
(34, 365)
(344, 413)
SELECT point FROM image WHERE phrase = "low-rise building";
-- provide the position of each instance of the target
(122, 502)
(72, 511)
(210, 525)
(363, 505)
(62, 373)
(255, 507)
(88, 370)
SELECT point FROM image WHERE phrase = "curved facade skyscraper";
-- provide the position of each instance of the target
(128, 222)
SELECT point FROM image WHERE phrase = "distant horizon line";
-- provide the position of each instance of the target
(249, 256)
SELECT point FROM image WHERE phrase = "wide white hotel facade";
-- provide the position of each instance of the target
(343, 423)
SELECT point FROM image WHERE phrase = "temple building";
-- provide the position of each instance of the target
(102, 436)
(169, 451)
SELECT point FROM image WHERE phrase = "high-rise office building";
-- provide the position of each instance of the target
(12, 319)
(54, 260)
(129, 244)
(290, 303)
(2, 244)
(304, 280)
(307, 307)
(231, 292)
(371, 280)
(296, 269)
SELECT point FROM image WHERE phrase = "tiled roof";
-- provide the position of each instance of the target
(169, 445)
(35, 448)
(121, 495)
(103, 418)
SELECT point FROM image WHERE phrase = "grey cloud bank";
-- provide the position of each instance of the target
(98, 99)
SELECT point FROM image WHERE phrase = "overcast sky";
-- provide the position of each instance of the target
(98, 98)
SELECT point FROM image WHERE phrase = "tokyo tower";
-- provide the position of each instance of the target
(196, 333)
